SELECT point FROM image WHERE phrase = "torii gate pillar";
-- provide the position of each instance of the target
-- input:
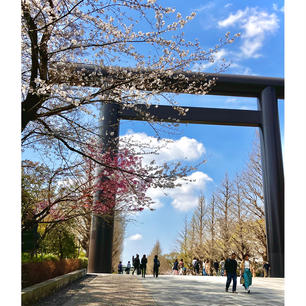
(101, 232)
(273, 178)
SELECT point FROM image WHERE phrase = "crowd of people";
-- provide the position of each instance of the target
(226, 267)
(140, 266)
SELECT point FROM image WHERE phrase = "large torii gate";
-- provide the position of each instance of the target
(267, 90)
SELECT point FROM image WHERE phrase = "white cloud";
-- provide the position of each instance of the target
(135, 237)
(259, 23)
(184, 197)
(232, 19)
(167, 150)
(255, 26)
(183, 148)
(250, 47)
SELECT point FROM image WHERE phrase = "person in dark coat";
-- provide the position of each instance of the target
(136, 265)
(216, 267)
(144, 261)
(156, 265)
(231, 272)
(197, 266)
(175, 267)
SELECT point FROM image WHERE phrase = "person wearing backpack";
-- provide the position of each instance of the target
(156, 265)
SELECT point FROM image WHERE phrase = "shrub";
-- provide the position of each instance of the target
(36, 272)
(26, 257)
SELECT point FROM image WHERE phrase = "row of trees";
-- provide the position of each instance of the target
(232, 219)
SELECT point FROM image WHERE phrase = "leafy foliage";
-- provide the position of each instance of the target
(60, 241)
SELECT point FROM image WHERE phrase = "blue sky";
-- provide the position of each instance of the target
(258, 51)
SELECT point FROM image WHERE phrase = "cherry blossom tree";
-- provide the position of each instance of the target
(136, 33)
(60, 102)
(66, 193)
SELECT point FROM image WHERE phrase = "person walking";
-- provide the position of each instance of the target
(266, 267)
(144, 261)
(136, 265)
(222, 263)
(246, 273)
(128, 268)
(203, 268)
(230, 267)
(181, 267)
(207, 267)
(197, 266)
(156, 265)
(175, 267)
(194, 263)
(216, 267)
(120, 268)
(133, 262)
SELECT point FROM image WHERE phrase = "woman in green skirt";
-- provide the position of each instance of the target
(246, 272)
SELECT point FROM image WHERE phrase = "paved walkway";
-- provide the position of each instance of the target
(210, 290)
(127, 290)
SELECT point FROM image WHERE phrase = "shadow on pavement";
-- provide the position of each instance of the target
(60, 297)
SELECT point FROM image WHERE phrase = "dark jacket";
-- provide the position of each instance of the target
(230, 266)
(266, 266)
(175, 265)
(144, 261)
(136, 262)
(156, 263)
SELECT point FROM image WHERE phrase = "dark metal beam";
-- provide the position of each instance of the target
(164, 81)
(196, 115)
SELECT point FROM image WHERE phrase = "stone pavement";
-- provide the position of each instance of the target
(210, 290)
(114, 290)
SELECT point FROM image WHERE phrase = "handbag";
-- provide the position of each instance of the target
(241, 280)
